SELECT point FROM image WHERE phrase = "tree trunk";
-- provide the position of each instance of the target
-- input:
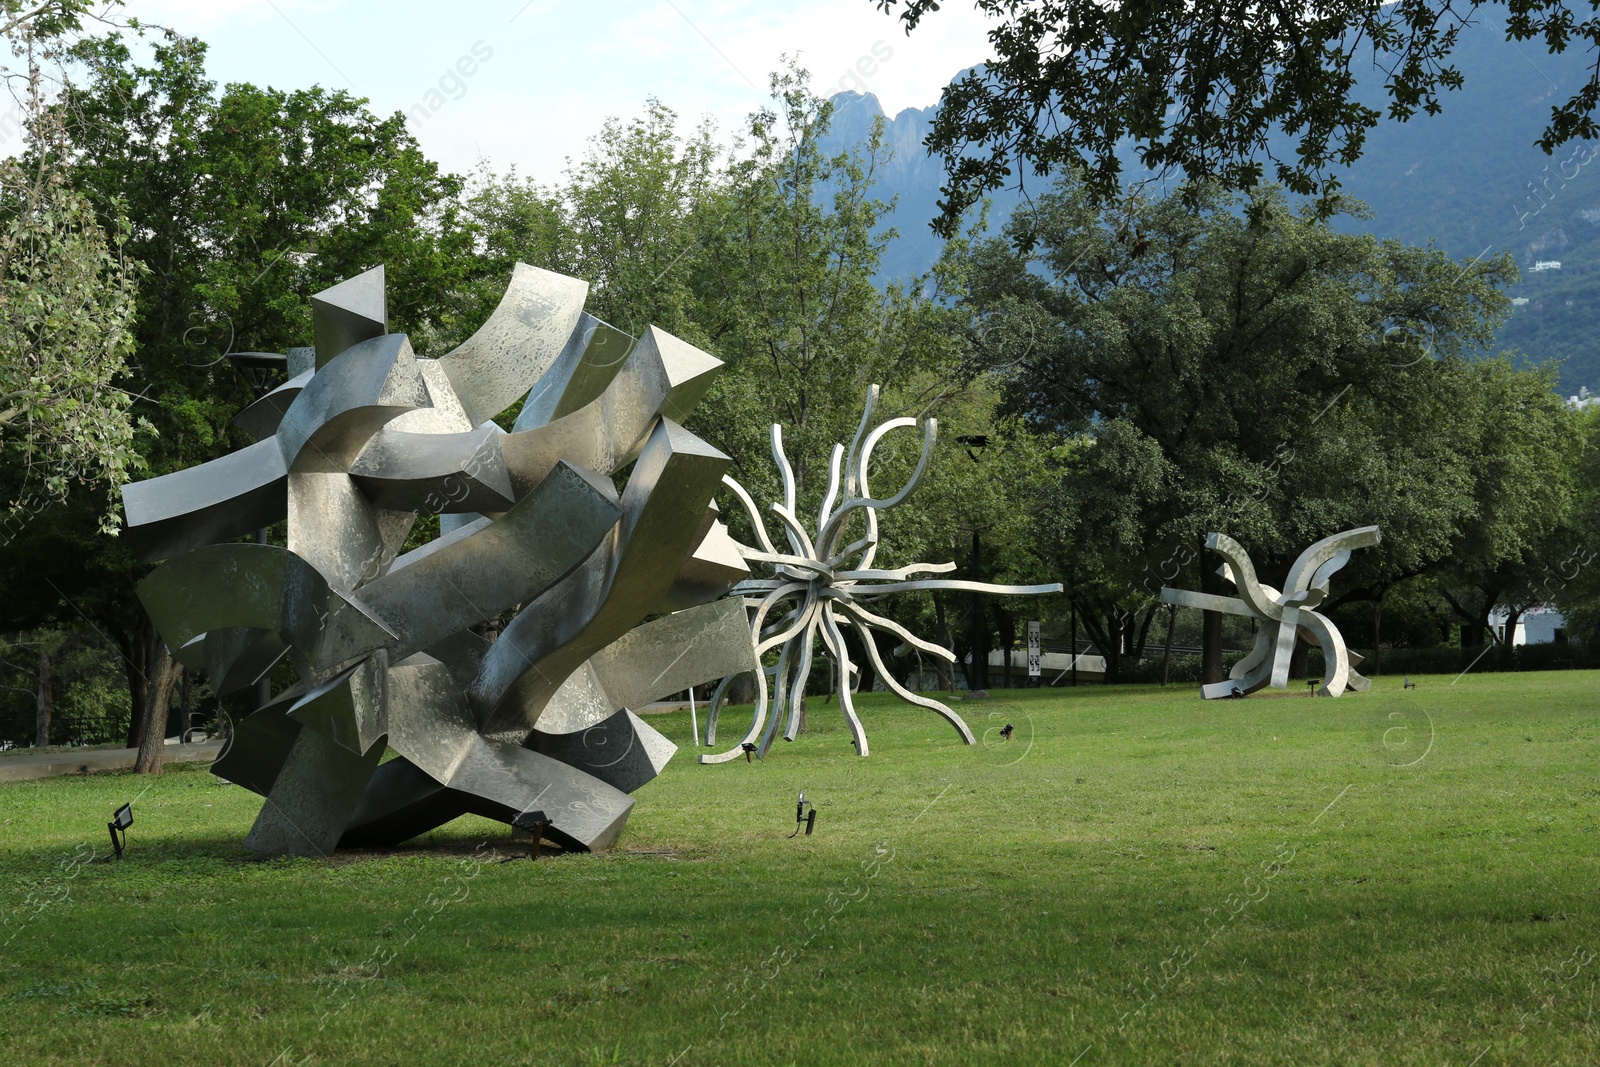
(1143, 639)
(1513, 617)
(152, 742)
(1211, 630)
(1490, 599)
(133, 668)
(1008, 638)
(979, 678)
(1110, 641)
(44, 699)
(941, 625)
(1072, 607)
(1377, 639)
(1166, 653)
(161, 675)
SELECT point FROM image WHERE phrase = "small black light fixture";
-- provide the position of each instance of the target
(118, 826)
(530, 826)
(805, 813)
(1409, 684)
(749, 750)
(1006, 733)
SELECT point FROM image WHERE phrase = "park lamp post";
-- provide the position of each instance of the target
(976, 443)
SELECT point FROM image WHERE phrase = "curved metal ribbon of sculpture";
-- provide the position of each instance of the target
(1283, 615)
(392, 650)
(823, 586)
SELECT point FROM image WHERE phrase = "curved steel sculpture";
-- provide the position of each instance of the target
(820, 587)
(498, 660)
(1282, 616)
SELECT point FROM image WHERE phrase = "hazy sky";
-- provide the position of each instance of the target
(545, 73)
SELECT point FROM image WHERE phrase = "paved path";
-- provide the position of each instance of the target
(89, 760)
(21, 768)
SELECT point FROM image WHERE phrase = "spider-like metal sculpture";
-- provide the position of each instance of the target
(1283, 615)
(824, 587)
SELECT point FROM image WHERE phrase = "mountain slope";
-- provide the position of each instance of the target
(1470, 180)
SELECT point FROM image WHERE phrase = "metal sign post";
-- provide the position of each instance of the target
(1033, 648)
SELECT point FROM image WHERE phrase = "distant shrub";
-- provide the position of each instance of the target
(1185, 668)
(93, 711)
(1452, 660)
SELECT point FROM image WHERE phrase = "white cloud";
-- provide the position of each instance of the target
(558, 69)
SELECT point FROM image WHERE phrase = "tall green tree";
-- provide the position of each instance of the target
(241, 203)
(623, 218)
(67, 289)
(1245, 368)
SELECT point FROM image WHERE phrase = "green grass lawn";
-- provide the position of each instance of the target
(1398, 877)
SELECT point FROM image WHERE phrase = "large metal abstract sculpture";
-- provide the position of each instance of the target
(499, 660)
(1283, 616)
(822, 586)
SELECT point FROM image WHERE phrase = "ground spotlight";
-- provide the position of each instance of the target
(1006, 733)
(119, 828)
(749, 750)
(530, 826)
(805, 813)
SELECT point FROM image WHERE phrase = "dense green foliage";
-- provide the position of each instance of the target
(67, 294)
(1248, 369)
(1221, 89)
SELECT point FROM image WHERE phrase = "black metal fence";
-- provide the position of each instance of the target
(68, 726)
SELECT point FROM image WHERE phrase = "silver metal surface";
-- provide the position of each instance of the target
(264, 587)
(349, 400)
(353, 311)
(350, 708)
(204, 505)
(435, 472)
(660, 375)
(312, 798)
(235, 657)
(502, 361)
(1282, 616)
(261, 419)
(611, 592)
(817, 589)
(533, 600)
(621, 750)
(479, 571)
(655, 660)
(592, 357)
